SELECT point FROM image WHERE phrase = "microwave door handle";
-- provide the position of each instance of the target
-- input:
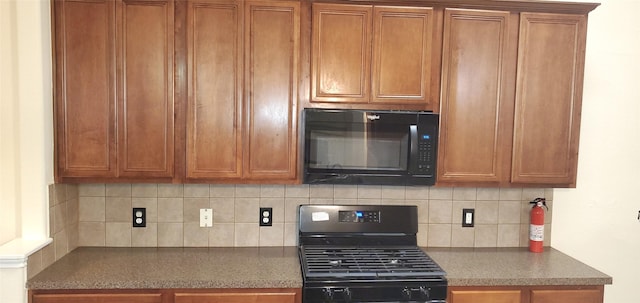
(413, 148)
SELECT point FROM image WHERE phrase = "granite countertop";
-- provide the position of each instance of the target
(154, 268)
(278, 267)
(513, 266)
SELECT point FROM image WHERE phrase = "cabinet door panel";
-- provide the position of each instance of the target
(146, 88)
(485, 296)
(402, 43)
(214, 142)
(547, 113)
(341, 51)
(85, 88)
(567, 296)
(477, 104)
(235, 298)
(97, 298)
(272, 31)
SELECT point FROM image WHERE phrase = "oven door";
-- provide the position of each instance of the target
(375, 291)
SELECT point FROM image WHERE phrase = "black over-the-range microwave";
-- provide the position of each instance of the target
(370, 147)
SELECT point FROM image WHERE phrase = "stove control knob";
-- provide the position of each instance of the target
(424, 292)
(346, 294)
(406, 293)
(328, 294)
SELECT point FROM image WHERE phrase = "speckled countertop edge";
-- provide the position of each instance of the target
(513, 267)
(279, 267)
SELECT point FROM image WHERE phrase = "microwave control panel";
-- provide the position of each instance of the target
(425, 154)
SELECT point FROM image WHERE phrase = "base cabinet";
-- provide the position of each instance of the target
(527, 294)
(485, 296)
(253, 295)
(567, 296)
(97, 298)
(235, 297)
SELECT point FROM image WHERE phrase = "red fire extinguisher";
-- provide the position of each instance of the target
(536, 229)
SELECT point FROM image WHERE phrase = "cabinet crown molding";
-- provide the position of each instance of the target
(539, 6)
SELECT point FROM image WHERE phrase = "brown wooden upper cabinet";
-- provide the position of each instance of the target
(372, 55)
(114, 89)
(236, 107)
(548, 101)
(242, 90)
(511, 98)
(208, 90)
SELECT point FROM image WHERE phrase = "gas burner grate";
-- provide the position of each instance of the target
(368, 262)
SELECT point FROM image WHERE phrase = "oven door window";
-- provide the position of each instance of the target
(359, 146)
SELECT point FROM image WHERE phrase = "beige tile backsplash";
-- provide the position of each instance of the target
(64, 210)
(104, 213)
(100, 215)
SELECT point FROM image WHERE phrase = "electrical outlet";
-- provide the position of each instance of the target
(266, 216)
(139, 217)
(206, 217)
(468, 217)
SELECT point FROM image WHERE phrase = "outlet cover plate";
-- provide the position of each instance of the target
(139, 217)
(266, 216)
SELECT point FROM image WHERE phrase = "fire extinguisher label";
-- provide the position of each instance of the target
(536, 232)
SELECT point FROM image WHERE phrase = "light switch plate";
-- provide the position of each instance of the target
(468, 217)
(206, 217)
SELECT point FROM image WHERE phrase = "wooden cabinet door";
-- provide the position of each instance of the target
(214, 106)
(272, 47)
(96, 298)
(378, 55)
(235, 297)
(340, 53)
(477, 96)
(567, 296)
(145, 88)
(485, 296)
(402, 42)
(114, 70)
(85, 122)
(548, 98)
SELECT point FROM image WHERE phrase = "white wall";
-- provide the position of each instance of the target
(597, 221)
(26, 119)
(8, 191)
(26, 144)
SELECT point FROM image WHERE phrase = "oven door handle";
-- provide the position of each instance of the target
(413, 148)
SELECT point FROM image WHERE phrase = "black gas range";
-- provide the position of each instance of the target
(365, 253)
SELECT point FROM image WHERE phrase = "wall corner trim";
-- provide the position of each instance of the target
(14, 254)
